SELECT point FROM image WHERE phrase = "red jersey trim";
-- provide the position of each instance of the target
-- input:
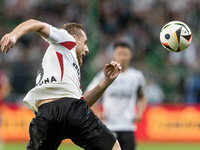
(60, 59)
(68, 44)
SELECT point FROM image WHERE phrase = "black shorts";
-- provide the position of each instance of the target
(126, 139)
(68, 118)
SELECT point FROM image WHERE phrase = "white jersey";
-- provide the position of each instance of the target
(59, 74)
(120, 98)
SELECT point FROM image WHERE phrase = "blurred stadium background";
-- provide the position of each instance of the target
(173, 79)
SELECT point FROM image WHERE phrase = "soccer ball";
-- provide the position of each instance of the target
(175, 36)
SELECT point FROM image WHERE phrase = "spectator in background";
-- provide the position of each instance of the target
(119, 100)
(193, 89)
(154, 92)
(192, 84)
(5, 89)
(140, 20)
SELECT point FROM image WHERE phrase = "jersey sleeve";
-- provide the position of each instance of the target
(58, 35)
(141, 79)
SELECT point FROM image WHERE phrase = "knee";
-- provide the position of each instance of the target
(116, 146)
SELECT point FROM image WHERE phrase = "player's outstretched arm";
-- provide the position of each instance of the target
(142, 105)
(9, 40)
(111, 71)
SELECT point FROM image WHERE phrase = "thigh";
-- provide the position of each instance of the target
(43, 135)
(126, 140)
(86, 130)
(105, 140)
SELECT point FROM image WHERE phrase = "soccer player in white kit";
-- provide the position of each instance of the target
(61, 109)
(119, 100)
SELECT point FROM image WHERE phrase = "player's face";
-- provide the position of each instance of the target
(123, 56)
(82, 48)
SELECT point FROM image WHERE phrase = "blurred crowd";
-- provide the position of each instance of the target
(170, 77)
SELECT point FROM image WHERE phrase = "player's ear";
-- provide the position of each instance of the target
(76, 38)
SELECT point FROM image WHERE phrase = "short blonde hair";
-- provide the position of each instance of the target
(74, 29)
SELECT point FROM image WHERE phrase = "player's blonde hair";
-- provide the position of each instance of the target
(74, 29)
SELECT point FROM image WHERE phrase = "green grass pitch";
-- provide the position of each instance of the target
(141, 146)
